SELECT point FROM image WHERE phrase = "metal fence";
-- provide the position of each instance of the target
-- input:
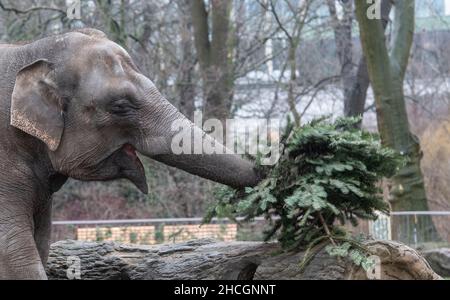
(418, 229)
(421, 229)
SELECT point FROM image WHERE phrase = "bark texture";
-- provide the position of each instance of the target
(185, 78)
(209, 259)
(387, 72)
(356, 87)
(212, 44)
(342, 28)
(439, 260)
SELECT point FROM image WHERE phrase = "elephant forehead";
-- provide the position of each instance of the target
(105, 67)
(106, 57)
(97, 85)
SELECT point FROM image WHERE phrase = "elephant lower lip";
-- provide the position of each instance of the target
(132, 168)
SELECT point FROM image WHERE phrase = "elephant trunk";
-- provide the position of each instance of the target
(158, 143)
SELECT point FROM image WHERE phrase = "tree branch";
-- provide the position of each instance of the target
(402, 36)
(374, 46)
(30, 10)
(201, 32)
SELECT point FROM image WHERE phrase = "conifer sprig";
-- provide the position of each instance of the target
(329, 173)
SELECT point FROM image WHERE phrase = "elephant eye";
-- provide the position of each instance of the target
(122, 106)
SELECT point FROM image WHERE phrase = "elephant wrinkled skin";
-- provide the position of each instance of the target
(75, 105)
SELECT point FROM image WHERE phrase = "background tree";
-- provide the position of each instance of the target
(212, 44)
(387, 72)
(355, 83)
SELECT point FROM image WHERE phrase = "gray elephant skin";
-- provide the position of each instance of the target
(75, 105)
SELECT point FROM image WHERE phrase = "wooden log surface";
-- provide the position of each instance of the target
(210, 259)
(439, 260)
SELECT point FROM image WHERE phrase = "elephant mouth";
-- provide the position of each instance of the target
(129, 150)
(122, 163)
(130, 167)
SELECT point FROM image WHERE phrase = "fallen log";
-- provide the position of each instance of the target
(439, 260)
(209, 259)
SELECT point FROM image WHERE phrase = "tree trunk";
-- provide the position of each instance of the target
(292, 61)
(213, 55)
(355, 87)
(185, 78)
(344, 46)
(116, 29)
(208, 259)
(387, 72)
(439, 260)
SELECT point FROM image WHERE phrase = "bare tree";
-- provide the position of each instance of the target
(387, 72)
(354, 83)
(213, 51)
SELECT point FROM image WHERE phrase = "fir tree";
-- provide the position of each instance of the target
(328, 174)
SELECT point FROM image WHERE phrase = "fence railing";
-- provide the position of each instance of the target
(419, 229)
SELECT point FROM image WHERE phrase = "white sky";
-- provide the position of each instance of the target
(447, 7)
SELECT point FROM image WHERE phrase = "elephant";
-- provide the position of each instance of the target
(76, 105)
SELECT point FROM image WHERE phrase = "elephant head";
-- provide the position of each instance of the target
(92, 107)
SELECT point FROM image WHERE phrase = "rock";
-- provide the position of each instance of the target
(209, 259)
(439, 260)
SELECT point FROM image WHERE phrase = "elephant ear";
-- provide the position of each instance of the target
(36, 107)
